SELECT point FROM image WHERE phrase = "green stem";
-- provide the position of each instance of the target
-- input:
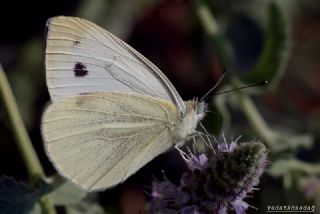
(207, 20)
(29, 156)
(301, 166)
(212, 29)
(20, 134)
(255, 119)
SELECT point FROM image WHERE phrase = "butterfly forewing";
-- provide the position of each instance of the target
(98, 140)
(81, 57)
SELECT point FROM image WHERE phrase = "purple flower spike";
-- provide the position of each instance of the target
(216, 181)
(197, 162)
(190, 209)
(163, 189)
(194, 161)
(225, 147)
(240, 206)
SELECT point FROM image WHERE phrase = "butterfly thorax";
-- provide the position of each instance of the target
(186, 127)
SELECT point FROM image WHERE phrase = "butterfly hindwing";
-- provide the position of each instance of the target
(97, 140)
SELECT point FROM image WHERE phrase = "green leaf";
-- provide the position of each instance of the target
(289, 168)
(36, 209)
(279, 168)
(75, 200)
(270, 65)
(285, 141)
(18, 197)
(84, 208)
(282, 167)
(67, 194)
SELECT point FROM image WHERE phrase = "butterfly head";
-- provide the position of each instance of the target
(201, 108)
(185, 129)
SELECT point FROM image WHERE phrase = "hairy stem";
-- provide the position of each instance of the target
(255, 119)
(212, 30)
(29, 156)
(211, 27)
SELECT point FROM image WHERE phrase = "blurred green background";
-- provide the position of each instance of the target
(254, 40)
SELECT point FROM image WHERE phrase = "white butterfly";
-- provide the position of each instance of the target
(112, 110)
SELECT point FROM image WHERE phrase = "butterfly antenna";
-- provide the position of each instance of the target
(215, 86)
(243, 87)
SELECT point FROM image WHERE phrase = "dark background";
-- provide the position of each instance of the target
(170, 35)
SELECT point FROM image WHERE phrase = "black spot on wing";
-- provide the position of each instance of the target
(76, 43)
(80, 70)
